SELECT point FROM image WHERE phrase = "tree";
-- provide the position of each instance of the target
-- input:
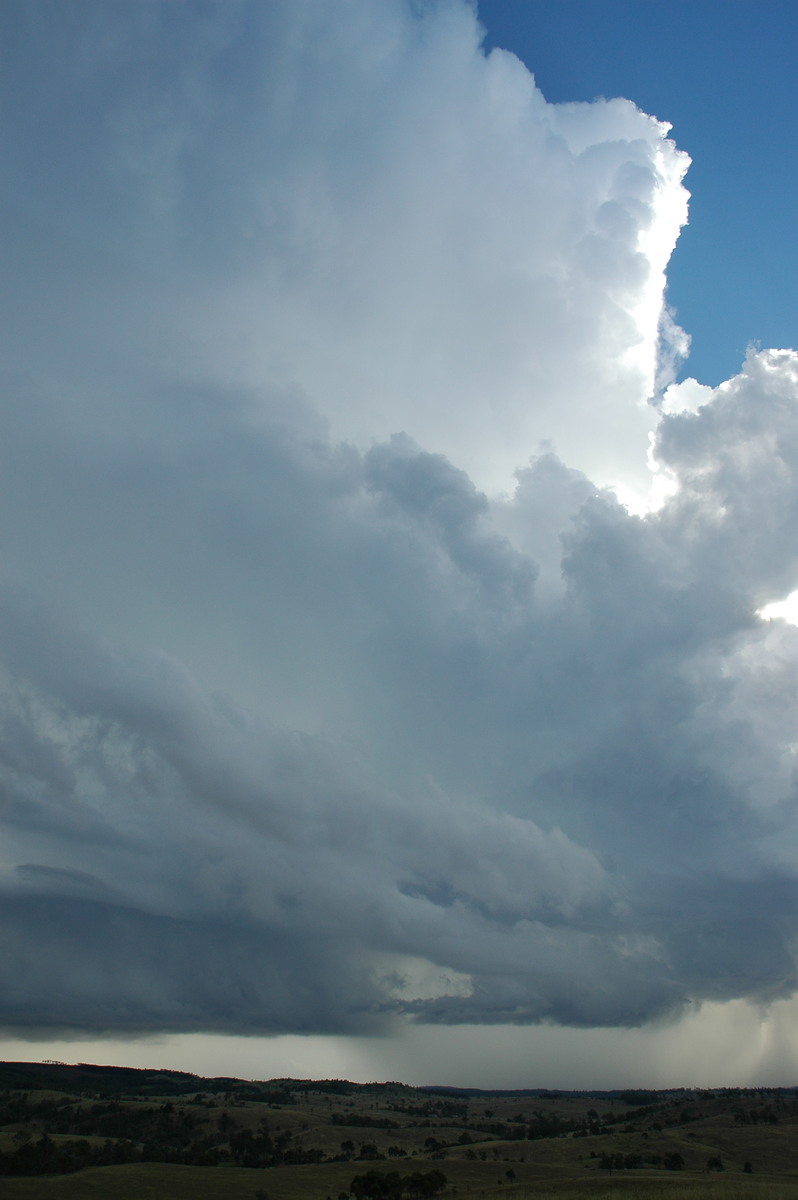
(374, 1185)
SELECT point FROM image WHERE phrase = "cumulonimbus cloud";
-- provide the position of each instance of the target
(337, 686)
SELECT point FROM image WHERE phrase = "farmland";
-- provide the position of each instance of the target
(75, 1131)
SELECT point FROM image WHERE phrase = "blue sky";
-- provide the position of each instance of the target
(384, 686)
(722, 72)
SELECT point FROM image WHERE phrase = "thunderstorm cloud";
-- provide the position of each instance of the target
(347, 676)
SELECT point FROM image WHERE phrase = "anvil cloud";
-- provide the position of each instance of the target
(339, 688)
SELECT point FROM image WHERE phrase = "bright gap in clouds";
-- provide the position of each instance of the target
(784, 610)
(345, 711)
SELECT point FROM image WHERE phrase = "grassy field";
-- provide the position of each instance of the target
(155, 1181)
(293, 1140)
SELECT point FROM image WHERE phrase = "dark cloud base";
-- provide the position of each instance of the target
(90, 968)
(579, 805)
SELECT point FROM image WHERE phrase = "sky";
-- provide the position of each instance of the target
(385, 685)
(721, 73)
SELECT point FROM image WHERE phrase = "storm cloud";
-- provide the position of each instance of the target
(339, 686)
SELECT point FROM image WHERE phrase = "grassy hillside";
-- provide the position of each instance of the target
(97, 1132)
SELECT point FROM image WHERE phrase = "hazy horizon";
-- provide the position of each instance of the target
(389, 687)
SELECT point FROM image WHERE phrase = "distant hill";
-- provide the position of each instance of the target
(124, 1132)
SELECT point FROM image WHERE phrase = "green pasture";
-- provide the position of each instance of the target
(157, 1181)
